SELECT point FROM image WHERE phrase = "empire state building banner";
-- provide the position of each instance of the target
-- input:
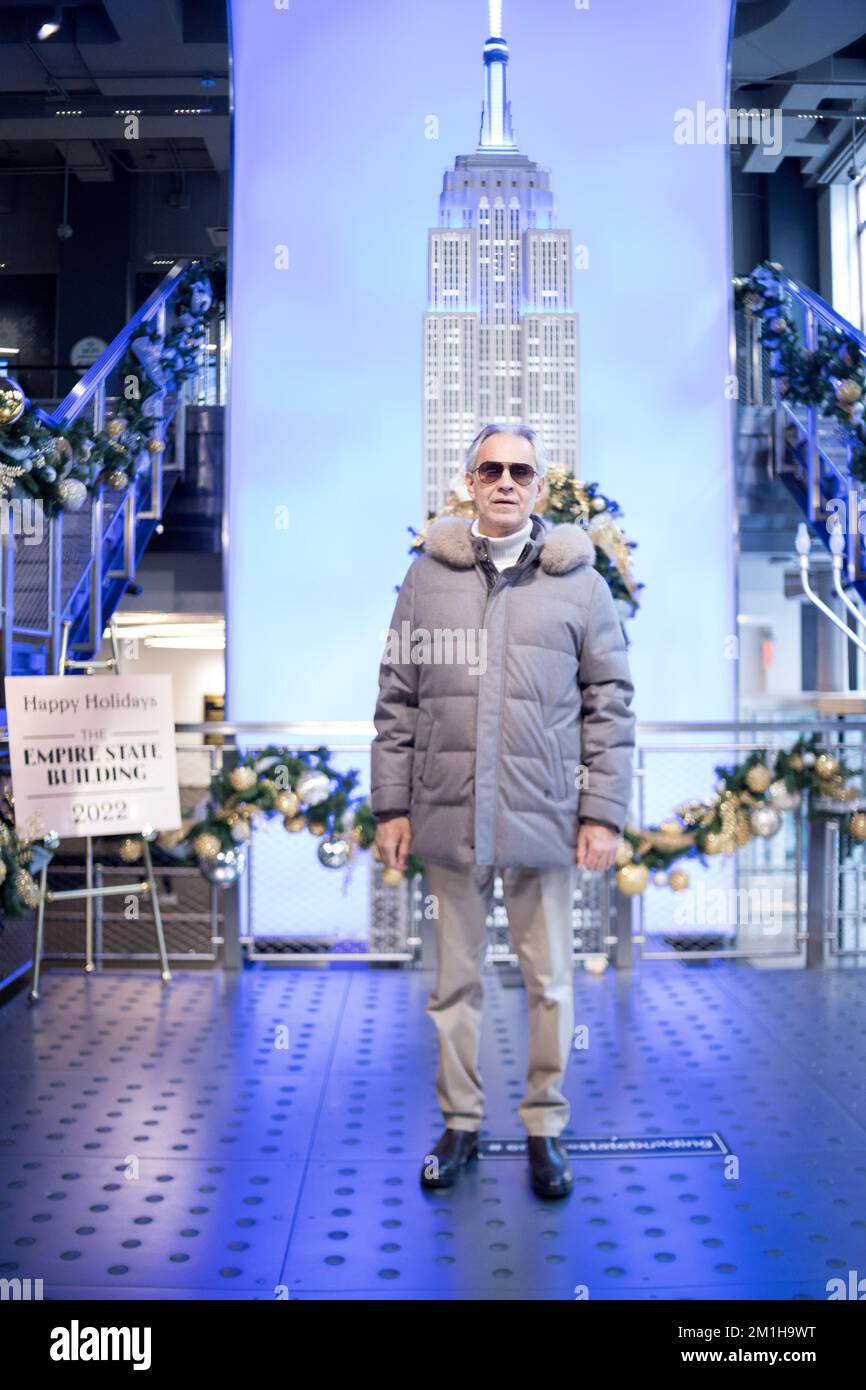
(446, 215)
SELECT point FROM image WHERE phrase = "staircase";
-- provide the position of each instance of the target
(778, 442)
(78, 569)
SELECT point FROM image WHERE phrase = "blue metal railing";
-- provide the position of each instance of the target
(92, 385)
(811, 453)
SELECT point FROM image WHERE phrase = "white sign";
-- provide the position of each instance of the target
(93, 755)
(86, 351)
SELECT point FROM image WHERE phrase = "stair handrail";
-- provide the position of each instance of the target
(818, 313)
(819, 306)
(92, 384)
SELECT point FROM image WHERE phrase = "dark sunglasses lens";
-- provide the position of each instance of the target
(490, 472)
(522, 473)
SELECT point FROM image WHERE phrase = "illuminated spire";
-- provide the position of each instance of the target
(496, 131)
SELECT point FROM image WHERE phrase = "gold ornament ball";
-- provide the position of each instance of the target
(206, 845)
(294, 823)
(155, 446)
(287, 803)
(117, 479)
(26, 888)
(12, 401)
(392, 878)
(114, 429)
(242, 778)
(632, 878)
(129, 851)
(62, 449)
(678, 880)
(826, 767)
(857, 825)
(624, 853)
(848, 391)
(2, 870)
(758, 778)
(795, 762)
(317, 828)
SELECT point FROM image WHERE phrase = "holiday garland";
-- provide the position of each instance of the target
(59, 469)
(830, 378)
(569, 499)
(302, 788)
(749, 801)
(21, 852)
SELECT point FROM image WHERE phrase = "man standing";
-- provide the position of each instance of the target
(515, 756)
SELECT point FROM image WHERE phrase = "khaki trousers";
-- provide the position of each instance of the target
(539, 907)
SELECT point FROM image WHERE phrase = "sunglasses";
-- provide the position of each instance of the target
(521, 473)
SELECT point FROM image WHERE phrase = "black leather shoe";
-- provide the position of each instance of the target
(548, 1167)
(452, 1152)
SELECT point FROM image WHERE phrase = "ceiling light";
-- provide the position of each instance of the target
(203, 643)
(51, 26)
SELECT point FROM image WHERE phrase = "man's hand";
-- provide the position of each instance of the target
(393, 838)
(596, 847)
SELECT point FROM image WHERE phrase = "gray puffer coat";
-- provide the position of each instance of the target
(494, 691)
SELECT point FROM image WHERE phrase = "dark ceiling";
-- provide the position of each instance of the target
(806, 60)
(166, 61)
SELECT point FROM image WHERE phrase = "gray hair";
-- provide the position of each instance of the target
(525, 432)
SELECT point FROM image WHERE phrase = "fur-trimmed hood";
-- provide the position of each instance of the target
(560, 548)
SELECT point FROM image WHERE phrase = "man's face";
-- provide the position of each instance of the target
(504, 505)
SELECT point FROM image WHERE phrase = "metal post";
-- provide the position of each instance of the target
(7, 597)
(813, 491)
(819, 884)
(157, 914)
(39, 936)
(88, 905)
(98, 939)
(55, 590)
(623, 912)
(232, 911)
(97, 513)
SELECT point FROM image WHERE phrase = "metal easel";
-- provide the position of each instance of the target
(89, 892)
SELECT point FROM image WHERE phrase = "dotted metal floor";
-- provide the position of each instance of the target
(158, 1144)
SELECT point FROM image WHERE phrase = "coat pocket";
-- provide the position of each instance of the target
(560, 780)
(425, 740)
(569, 741)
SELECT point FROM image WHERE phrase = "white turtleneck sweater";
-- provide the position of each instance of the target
(505, 550)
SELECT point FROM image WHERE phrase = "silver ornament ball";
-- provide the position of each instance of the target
(779, 796)
(224, 868)
(765, 821)
(333, 853)
(313, 788)
(72, 494)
